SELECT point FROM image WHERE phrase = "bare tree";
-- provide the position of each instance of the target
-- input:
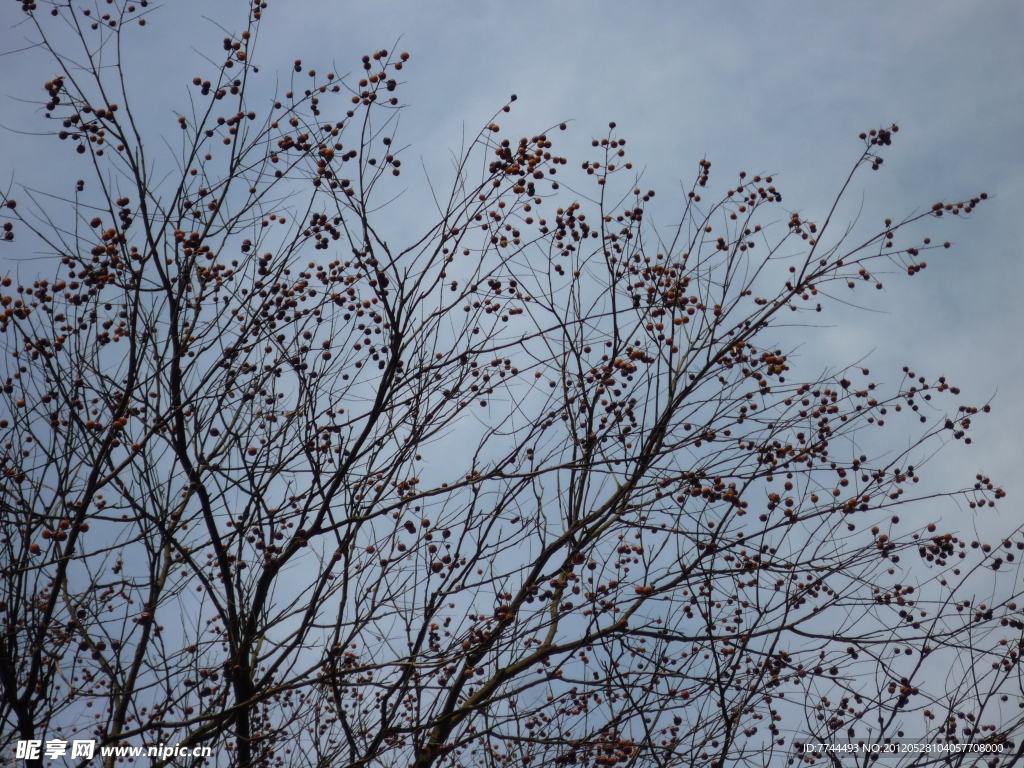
(533, 487)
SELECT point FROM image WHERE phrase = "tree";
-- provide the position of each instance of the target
(534, 487)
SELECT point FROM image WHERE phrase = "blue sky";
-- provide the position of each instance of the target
(781, 88)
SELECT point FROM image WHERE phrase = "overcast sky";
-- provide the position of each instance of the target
(779, 87)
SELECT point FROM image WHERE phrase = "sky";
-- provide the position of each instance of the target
(781, 88)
